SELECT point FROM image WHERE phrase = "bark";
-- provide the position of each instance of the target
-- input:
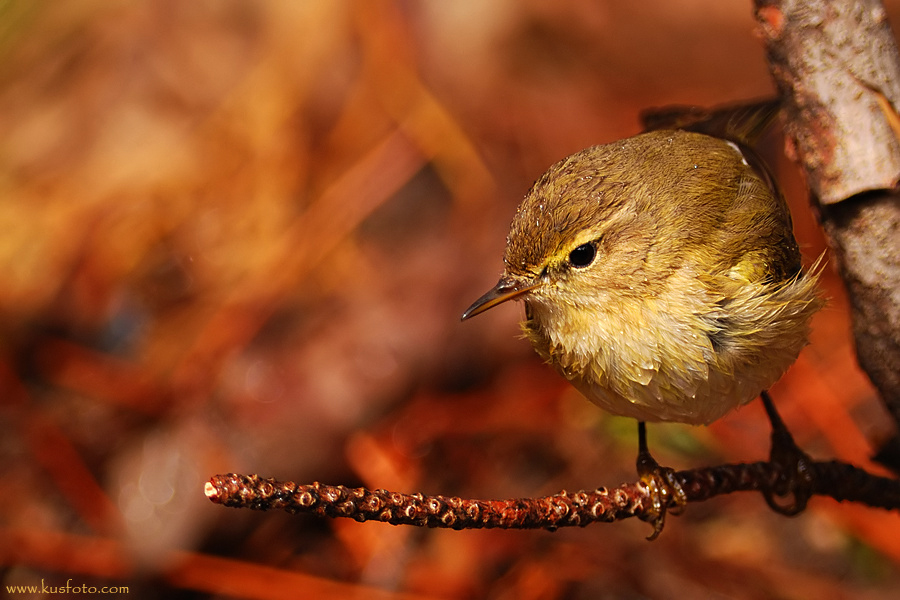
(838, 71)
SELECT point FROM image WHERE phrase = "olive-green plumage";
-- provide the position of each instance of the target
(660, 275)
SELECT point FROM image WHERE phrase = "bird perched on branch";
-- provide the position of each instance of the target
(660, 273)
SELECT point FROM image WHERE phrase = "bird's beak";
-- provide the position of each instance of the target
(506, 289)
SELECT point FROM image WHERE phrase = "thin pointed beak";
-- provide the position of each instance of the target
(506, 289)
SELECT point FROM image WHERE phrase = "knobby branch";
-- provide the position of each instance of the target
(835, 479)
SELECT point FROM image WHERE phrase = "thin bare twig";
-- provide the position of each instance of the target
(841, 481)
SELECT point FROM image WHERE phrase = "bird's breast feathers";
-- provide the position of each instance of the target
(687, 354)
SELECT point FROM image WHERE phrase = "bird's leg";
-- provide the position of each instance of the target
(794, 477)
(665, 489)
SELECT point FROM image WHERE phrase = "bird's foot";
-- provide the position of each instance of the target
(666, 493)
(795, 476)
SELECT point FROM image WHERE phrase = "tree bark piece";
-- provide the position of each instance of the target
(835, 63)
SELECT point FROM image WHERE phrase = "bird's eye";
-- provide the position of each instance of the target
(583, 255)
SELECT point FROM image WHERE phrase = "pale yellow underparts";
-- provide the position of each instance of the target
(653, 358)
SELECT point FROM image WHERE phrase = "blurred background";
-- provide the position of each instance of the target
(238, 236)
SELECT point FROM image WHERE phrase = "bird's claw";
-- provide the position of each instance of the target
(666, 493)
(794, 473)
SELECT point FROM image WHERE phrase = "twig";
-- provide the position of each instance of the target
(835, 479)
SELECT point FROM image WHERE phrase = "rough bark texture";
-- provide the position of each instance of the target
(865, 233)
(833, 61)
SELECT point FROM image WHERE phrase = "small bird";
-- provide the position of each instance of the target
(660, 276)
